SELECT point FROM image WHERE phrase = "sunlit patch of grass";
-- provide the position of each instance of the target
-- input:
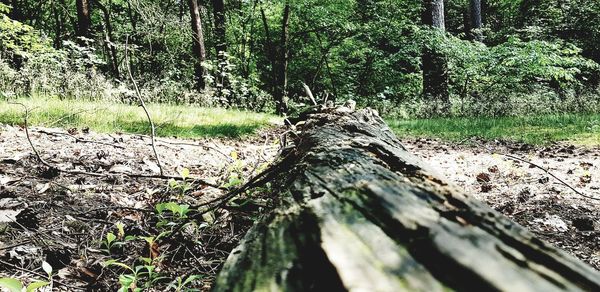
(109, 117)
(582, 129)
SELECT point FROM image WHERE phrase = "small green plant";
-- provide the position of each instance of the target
(182, 186)
(180, 284)
(15, 285)
(137, 278)
(112, 240)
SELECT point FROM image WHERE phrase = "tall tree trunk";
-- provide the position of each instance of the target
(198, 47)
(220, 29)
(220, 47)
(84, 20)
(58, 26)
(435, 65)
(476, 19)
(269, 52)
(109, 39)
(282, 64)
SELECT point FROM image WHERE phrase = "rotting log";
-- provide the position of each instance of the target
(359, 213)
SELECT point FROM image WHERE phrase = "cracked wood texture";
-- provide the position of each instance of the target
(359, 213)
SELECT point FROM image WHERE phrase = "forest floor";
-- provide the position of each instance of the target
(79, 223)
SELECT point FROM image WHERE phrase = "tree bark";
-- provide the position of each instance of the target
(58, 26)
(269, 51)
(358, 212)
(84, 20)
(476, 19)
(198, 47)
(282, 64)
(435, 65)
(220, 28)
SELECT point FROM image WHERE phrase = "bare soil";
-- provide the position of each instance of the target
(64, 219)
(526, 194)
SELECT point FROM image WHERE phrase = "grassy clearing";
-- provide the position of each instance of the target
(107, 117)
(582, 129)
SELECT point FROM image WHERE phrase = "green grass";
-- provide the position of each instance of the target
(581, 129)
(107, 117)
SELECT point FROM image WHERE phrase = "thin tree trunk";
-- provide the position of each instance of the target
(269, 52)
(58, 26)
(84, 20)
(109, 39)
(198, 47)
(220, 47)
(435, 65)
(282, 64)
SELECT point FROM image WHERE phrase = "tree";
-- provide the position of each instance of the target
(198, 47)
(435, 65)
(220, 28)
(278, 56)
(282, 65)
(84, 20)
(109, 37)
(476, 23)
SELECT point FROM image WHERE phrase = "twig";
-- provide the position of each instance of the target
(79, 140)
(95, 174)
(143, 105)
(552, 175)
(37, 154)
(40, 275)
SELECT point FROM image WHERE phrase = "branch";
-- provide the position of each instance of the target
(552, 175)
(143, 105)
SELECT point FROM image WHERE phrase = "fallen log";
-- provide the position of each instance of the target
(358, 212)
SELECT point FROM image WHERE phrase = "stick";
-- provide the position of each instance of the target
(139, 96)
(79, 140)
(552, 175)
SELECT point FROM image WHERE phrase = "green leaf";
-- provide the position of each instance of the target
(11, 284)
(121, 229)
(36, 285)
(110, 237)
(118, 264)
(191, 279)
(126, 281)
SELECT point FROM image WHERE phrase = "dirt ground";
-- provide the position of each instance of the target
(67, 219)
(527, 194)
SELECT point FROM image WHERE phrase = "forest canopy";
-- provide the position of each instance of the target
(490, 58)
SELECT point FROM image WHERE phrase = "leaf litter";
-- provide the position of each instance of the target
(90, 229)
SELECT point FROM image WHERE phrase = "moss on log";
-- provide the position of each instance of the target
(360, 213)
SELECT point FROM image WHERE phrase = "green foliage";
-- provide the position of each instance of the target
(533, 52)
(15, 285)
(20, 39)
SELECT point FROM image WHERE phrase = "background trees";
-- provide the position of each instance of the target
(495, 57)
